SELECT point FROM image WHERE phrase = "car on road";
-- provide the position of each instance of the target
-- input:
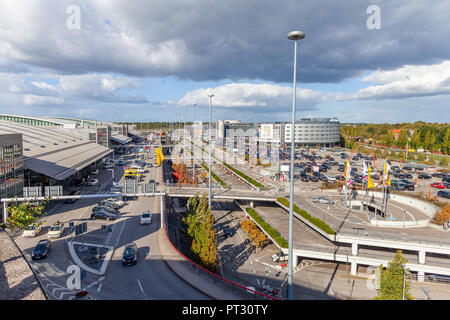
(56, 230)
(92, 182)
(41, 250)
(31, 231)
(109, 166)
(121, 162)
(227, 232)
(110, 204)
(438, 185)
(94, 172)
(129, 256)
(146, 217)
(105, 208)
(72, 193)
(103, 215)
(323, 200)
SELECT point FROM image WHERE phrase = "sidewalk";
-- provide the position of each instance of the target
(17, 281)
(184, 270)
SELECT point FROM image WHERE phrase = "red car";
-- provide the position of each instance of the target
(438, 185)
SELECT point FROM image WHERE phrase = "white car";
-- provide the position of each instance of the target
(92, 182)
(146, 217)
(117, 200)
(332, 179)
(94, 172)
(31, 231)
(109, 166)
(56, 230)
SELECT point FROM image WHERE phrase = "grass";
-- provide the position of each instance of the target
(315, 221)
(274, 234)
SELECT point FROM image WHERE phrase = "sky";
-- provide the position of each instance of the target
(151, 60)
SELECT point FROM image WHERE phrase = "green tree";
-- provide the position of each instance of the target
(391, 282)
(446, 142)
(24, 214)
(402, 139)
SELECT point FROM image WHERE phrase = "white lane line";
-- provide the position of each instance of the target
(140, 286)
(100, 287)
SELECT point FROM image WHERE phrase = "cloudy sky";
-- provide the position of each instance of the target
(146, 60)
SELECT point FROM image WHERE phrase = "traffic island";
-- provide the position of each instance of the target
(90, 257)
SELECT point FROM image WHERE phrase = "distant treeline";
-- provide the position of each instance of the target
(428, 136)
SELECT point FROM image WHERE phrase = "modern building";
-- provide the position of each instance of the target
(314, 132)
(11, 166)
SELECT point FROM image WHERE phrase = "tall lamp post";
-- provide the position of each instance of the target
(210, 143)
(293, 35)
(193, 138)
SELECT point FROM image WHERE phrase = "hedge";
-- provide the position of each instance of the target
(315, 221)
(214, 175)
(268, 228)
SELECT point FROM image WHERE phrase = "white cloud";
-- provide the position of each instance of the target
(406, 82)
(265, 95)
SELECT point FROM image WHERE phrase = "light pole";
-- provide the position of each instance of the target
(210, 143)
(293, 35)
(193, 138)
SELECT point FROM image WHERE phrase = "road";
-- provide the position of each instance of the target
(150, 278)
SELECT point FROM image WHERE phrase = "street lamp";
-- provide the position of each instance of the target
(294, 35)
(193, 138)
(210, 143)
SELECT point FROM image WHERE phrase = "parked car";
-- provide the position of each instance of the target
(103, 215)
(31, 231)
(117, 200)
(110, 204)
(129, 256)
(92, 182)
(424, 176)
(109, 166)
(56, 230)
(72, 193)
(438, 185)
(105, 208)
(94, 172)
(146, 217)
(313, 178)
(79, 182)
(41, 250)
(120, 162)
(304, 178)
(444, 194)
(323, 200)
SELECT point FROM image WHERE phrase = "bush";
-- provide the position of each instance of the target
(442, 216)
(268, 228)
(315, 221)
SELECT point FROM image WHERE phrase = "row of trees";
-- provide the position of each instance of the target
(429, 136)
(258, 237)
(199, 226)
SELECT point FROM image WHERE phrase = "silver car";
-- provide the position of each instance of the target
(323, 200)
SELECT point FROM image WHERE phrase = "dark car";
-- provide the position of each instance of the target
(227, 232)
(408, 185)
(79, 182)
(41, 250)
(408, 176)
(103, 215)
(313, 178)
(444, 194)
(105, 208)
(424, 176)
(446, 179)
(73, 193)
(397, 185)
(129, 256)
(407, 168)
(304, 178)
(110, 204)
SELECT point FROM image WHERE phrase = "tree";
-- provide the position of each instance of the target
(391, 282)
(402, 139)
(24, 214)
(446, 142)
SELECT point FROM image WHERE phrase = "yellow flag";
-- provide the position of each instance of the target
(370, 183)
(162, 155)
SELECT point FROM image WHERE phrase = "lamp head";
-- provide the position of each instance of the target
(296, 35)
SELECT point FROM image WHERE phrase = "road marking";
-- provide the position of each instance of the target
(142, 290)
(100, 287)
